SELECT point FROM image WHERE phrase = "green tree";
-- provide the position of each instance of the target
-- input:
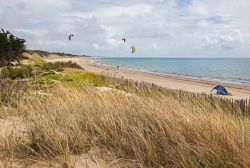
(11, 48)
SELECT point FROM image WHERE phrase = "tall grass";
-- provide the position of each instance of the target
(11, 92)
(152, 127)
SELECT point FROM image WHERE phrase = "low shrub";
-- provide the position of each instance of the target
(49, 78)
(17, 72)
(58, 66)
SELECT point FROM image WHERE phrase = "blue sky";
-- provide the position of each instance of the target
(157, 28)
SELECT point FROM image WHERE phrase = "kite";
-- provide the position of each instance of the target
(133, 49)
(70, 36)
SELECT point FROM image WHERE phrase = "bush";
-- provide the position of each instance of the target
(49, 78)
(58, 66)
(11, 48)
(17, 72)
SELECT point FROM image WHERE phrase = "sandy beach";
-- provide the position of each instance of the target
(171, 82)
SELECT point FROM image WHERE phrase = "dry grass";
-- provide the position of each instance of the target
(152, 127)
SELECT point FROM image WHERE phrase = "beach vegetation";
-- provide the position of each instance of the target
(38, 62)
(76, 116)
(58, 66)
(17, 72)
(168, 130)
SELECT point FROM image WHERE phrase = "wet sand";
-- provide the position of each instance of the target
(171, 82)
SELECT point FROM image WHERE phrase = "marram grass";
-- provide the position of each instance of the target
(149, 127)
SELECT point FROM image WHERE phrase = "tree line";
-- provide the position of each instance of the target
(11, 48)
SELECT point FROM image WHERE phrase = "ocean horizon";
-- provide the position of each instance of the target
(221, 70)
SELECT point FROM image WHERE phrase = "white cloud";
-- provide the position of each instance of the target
(227, 41)
(156, 27)
(115, 11)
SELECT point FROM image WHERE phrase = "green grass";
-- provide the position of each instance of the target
(73, 79)
(86, 78)
(38, 62)
(58, 66)
(67, 73)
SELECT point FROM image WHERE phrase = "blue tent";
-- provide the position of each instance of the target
(221, 90)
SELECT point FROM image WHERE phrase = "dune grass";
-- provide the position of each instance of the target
(63, 115)
(150, 127)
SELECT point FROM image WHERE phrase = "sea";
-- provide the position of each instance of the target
(221, 70)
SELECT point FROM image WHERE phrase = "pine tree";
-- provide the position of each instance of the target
(11, 48)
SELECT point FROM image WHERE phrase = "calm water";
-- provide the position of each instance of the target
(234, 70)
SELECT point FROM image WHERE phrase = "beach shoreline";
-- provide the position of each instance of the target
(164, 80)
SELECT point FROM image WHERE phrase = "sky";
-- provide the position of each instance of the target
(157, 28)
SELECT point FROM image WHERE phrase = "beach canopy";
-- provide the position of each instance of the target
(133, 49)
(70, 36)
(221, 90)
